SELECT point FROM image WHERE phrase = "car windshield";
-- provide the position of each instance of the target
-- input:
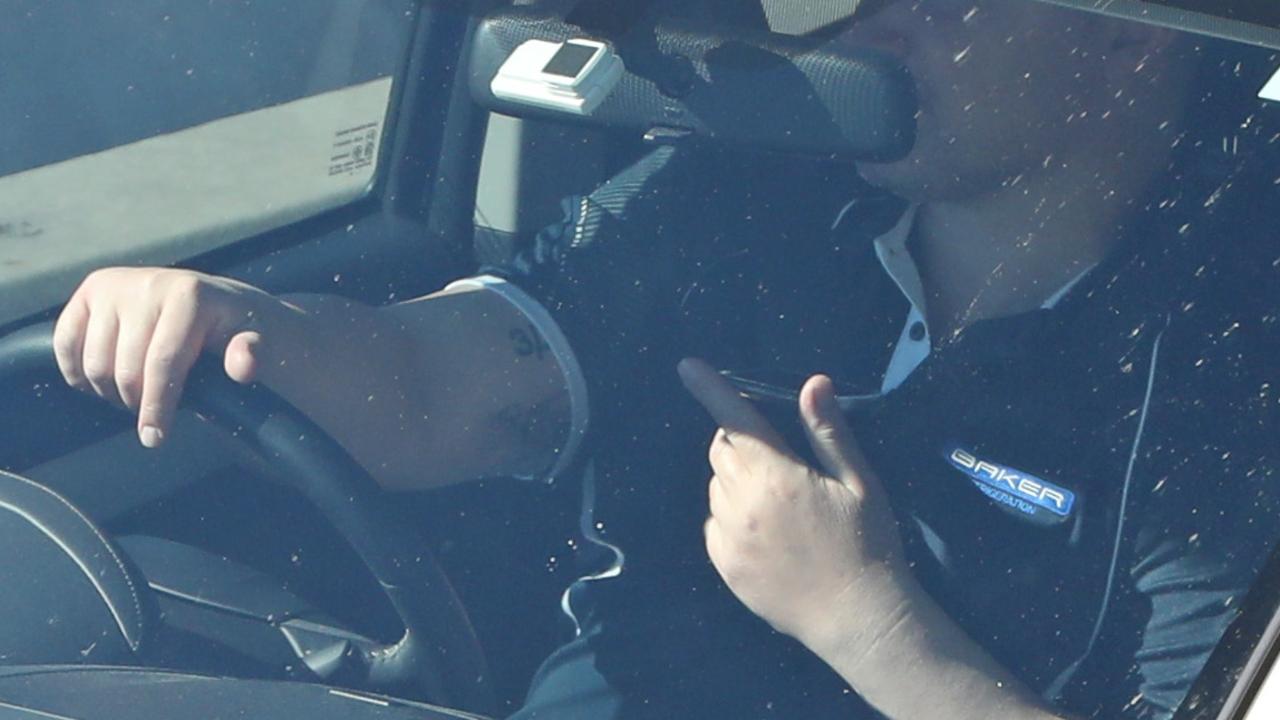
(879, 358)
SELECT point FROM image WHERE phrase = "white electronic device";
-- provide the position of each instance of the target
(574, 76)
(1271, 91)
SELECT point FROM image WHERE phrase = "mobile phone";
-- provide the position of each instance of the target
(782, 388)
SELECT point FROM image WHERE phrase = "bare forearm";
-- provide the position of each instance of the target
(921, 662)
(423, 394)
(496, 402)
(351, 371)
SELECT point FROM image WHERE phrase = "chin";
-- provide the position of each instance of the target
(910, 181)
(919, 179)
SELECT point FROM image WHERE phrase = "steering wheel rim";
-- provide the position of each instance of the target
(438, 649)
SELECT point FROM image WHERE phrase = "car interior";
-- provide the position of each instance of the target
(250, 565)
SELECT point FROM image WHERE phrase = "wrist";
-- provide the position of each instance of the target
(283, 330)
(303, 340)
(913, 638)
(867, 614)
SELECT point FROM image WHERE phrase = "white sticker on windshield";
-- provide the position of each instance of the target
(353, 148)
(1272, 90)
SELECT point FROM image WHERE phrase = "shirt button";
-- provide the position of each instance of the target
(916, 331)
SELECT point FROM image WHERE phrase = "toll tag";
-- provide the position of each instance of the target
(1271, 91)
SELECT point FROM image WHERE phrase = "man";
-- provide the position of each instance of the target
(990, 554)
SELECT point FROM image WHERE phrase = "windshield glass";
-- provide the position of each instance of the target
(894, 358)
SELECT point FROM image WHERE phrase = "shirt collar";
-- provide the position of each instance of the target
(896, 259)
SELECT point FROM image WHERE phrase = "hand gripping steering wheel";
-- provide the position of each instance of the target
(438, 650)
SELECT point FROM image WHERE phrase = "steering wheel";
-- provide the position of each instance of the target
(438, 650)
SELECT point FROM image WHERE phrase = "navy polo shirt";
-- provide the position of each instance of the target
(1062, 478)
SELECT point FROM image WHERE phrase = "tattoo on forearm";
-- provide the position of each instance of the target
(537, 428)
(527, 342)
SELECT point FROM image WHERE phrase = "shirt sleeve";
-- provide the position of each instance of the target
(601, 282)
(1194, 594)
(537, 316)
(588, 284)
(1206, 523)
(1186, 582)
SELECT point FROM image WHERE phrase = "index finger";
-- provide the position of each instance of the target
(739, 418)
(176, 344)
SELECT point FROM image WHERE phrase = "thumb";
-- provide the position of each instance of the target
(242, 358)
(829, 434)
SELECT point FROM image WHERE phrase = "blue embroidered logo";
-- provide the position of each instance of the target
(1008, 486)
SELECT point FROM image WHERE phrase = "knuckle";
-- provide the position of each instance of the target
(155, 278)
(151, 284)
(164, 361)
(97, 369)
(720, 449)
(96, 277)
(184, 287)
(73, 377)
(99, 279)
(129, 380)
(64, 344)
(166, 369)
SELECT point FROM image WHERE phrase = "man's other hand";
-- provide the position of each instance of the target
(803, 548)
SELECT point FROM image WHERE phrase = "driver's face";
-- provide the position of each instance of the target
(1004, 86)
